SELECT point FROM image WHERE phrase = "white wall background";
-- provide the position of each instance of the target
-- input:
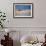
(39, 13)
(37, 23)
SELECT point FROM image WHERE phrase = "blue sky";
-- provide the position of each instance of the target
(23, 7)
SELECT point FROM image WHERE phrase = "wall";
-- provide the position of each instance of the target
(37, 23)
(39, 13)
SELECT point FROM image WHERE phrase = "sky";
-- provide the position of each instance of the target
(23, 7)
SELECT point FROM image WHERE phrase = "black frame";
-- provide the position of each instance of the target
(22, 3)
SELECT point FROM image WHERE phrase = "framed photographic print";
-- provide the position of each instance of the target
(22, 9)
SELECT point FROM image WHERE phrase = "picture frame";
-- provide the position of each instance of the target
(22, 10)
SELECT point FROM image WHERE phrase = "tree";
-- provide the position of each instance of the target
(2, 18)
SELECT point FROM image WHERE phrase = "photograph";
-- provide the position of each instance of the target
(22, 10)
